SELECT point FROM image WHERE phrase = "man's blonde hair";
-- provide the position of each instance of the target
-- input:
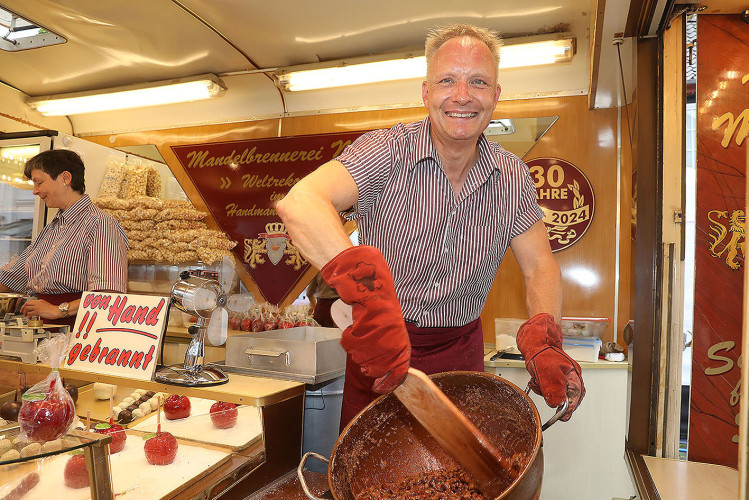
(438, 36)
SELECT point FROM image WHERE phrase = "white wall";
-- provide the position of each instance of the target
(584, 457)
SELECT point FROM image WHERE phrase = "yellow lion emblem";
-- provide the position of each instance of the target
(734, 249)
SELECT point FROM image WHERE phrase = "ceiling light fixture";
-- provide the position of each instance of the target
(532, 51)
(131, 96)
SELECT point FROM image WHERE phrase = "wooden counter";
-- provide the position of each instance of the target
(241, 389)
(670, 479)
(601, 364)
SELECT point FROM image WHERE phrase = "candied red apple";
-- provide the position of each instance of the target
(46, 417)
(224, 415)
(161, 449)
(176, 407)
(235, 323)
(76, 475)
(118, 435)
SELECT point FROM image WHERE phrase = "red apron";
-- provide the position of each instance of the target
(433, 350)
(57, 299)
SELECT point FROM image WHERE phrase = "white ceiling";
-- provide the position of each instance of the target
(120, 43)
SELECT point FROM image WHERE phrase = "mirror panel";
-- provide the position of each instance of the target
(519, 135)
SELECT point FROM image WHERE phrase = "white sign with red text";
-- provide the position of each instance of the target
(118, 334)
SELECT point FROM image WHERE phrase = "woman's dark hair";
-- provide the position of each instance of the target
(56, 161)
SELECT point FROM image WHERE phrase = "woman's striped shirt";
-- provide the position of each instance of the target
(81, 249)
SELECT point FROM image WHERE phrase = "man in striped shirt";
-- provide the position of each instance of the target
(81, 249)
(438, 205)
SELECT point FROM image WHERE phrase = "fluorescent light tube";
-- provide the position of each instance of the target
(355, 74)
(536, 53)
(154, 94)
(511, 56)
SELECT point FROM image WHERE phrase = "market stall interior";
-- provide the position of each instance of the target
(193, 179)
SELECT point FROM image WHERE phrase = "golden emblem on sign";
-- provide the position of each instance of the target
(558, 221)
(734, 248)
(273, 243)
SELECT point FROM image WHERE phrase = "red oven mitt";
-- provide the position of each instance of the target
(377, 340)
(554, 374)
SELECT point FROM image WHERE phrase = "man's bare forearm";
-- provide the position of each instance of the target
(543, 279)
(544, 293)
(310, 213)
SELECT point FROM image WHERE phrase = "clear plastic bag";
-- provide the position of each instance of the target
(113, 177)
(153, 183)
(47, 410)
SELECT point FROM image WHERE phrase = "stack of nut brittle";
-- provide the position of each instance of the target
(168, 231)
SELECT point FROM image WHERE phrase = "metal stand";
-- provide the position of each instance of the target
(180, 375)
(194, 371)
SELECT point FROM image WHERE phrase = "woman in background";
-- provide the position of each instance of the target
(82, 248)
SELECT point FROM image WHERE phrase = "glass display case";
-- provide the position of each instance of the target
(78, 461)
(225, 440)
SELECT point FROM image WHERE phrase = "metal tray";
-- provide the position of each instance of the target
(306, 354)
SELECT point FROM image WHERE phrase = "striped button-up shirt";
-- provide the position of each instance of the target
(81, 249)
(443, 250)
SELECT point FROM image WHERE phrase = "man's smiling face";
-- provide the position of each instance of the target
(461, 90)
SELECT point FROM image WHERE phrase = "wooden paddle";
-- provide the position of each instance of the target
(446, 424)
(455, 433)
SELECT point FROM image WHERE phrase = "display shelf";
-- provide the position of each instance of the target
(199, 427)
(95, 451)
(519, 363)
(73, 440)
(672, 479)
(195, 472)
(241, 389)
(98, 409)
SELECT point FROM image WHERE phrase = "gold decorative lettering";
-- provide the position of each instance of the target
(733, 123)
(197, 158)
(339, 146)
(728, 364)
(255, 181)
(735, 437)
(203, 158)
(234, 210)
(712, 354)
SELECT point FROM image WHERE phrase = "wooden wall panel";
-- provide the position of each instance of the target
(587, 139)
(583, 137)
(626, 218)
